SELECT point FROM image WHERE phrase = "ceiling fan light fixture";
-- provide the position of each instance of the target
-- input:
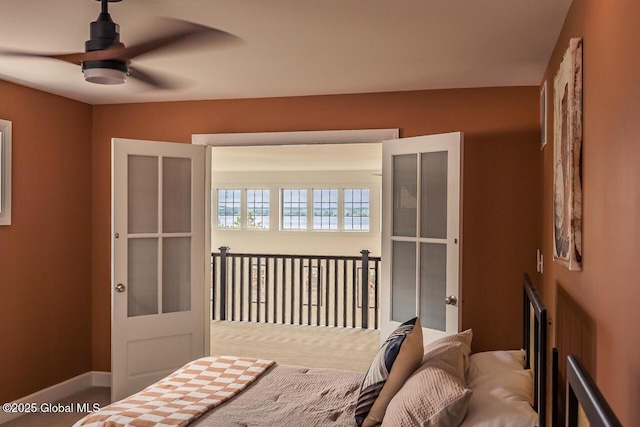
(105, 76)
(107, 72)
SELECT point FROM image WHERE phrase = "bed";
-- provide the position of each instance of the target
(585, 404)
(438, 384)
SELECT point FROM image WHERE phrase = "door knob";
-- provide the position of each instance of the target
(120, 287)
(451, 300)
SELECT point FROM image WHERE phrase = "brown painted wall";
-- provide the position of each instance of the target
(502, 191)
(607, 288)
(45, 254)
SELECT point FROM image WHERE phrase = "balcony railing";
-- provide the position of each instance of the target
(295, 289)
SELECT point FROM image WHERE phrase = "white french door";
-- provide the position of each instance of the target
(421, 233)
(159, 261)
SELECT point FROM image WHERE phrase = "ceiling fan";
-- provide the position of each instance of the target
(107, 61)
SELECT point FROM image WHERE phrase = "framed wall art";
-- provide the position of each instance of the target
(567, 141)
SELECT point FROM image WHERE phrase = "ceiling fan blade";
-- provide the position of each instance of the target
(73, 58)
(153, 79)
(38, 55)
(181, 34)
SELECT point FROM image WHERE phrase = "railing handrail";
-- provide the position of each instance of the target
(288, 256)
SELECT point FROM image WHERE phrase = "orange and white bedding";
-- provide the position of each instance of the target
(182, 396)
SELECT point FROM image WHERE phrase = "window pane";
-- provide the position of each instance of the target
(176, 274)
(176, 195)
(403, 281)
(294, 209)
(405, 195)
(433, 200)
(229, 208)
(258, 209)
(325, 209)
(142, 194)
(356, 209)
(142, 277)
(433, 285)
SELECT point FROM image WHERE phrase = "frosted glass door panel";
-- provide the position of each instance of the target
(433, 285)
(403, 281)
(176, 274)
(176, 195)
(142, 287)
(405, 195)
(142, 194)
(433, 197)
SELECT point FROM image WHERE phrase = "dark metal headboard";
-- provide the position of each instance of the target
(583, 393)
(535, 345)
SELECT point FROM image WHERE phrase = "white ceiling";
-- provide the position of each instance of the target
(294, 47)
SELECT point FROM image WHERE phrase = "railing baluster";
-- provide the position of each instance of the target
(223, 282)
(293, 279)
(364, 288)
(214, 282)
(233, 288)
(300, 291)
(326, 296)
(354, 276)
(275, 290)
(283, 267)
(308, 287)
(266, 289)
(241, 308)
(259, 290)
(251, 289)
(375, 294)
(335, 292)
(344, 293)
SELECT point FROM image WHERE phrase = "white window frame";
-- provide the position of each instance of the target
(311, 205)
(342, 206)
(245, 212)
(5, 172)
(244, 207)
(281, 209)
(216, 205)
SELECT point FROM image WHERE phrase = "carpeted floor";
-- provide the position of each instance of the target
(310, 346)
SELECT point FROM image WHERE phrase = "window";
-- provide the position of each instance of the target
(325, 209)
(257, 209)
(5, 172)
(356, 209)
(229, 208)
(294, 209)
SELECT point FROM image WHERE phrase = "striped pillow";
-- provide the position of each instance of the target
(402, 351)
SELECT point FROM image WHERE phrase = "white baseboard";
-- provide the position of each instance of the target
(61, 390)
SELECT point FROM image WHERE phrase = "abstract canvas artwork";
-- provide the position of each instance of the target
(567, 141)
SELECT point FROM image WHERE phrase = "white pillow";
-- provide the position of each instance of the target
(435, 395)
(439, 347)
(502, 400)
(494, 362)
